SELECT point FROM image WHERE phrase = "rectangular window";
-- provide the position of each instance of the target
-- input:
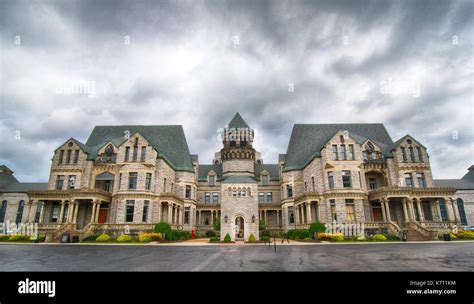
(120, 181)
(351, 152)
(207, 198)
(186, 215)
(234, 193)
(61, 157)
(412, 154)
(59, 182)
(127, 153)
(265, 180)
(404, 154)
(269, 197)
(132, 180)
(19, 212)
(212, 180)
(420, 154)
(421, 180)
(343, 152)
(261, 197)
(38, 212)
(71, 182)
(442, 209)
(330, 180)
(289, 190)
(76, 156)
(313, 184)
(145, 211)
(372, 183)
(188, 192)
(346, 179)
(350, 213)
(408, 180)
(3, 211)
(365, 155)
(143, 155)
(68, 157)
(130, 210)
(148, 182)
(334, 152)
(333, 210)
(215, 198)
(373, 156)
(291, 216)
(135, 153)
(462, 212)
(164, 184)
(55, 213)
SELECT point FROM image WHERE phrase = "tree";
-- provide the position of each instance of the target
(217, 224)
(317, 227)
(261, 225)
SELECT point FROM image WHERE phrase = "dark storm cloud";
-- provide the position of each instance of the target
(182, 66)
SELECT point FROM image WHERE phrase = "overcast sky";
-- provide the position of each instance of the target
(67, 66)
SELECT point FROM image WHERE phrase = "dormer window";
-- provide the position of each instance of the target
(212, 180)
(412, 154)
(265, 180)
(109, 156)
(420, 154)
(404, 154)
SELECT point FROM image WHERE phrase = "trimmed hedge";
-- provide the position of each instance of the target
(211, 233)
(265, 238)
(465, 235)
(124, 238)
(379, 238)
(178, 235)
(4, 238)
(214, 239)
(227, 238)
(252, 238)
(298, 234)
(103, 238)
(156, 237)
(19, 238)
(163, 228)
(144, 238)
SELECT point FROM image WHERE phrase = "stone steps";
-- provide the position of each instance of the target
(413, 235)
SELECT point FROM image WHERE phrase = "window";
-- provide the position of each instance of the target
(55, 213)
(66, 207)
(291, 216)
(19, 212)
(215, 198)
(145, 211)
(351, 152)
(373, 156)
(462, 212)
(408, 180)
(135, 153)
(343, 152)
(38, 212)
(333, 210)
(120, 181)
(207, 198)
(346, 179)
(68, 157)
(172, 187)
(186, 215)
(265, 180)
(71, 182)
(188, 191)
(313, 184)
(59, 182)
(372, 183)
(143, 155)
(243, 193)
(412, 154)
(148, 182)
(132, 180)
(61, 156)
(350, 213)
(164, 184)
(289, 190)
(420, 154)
(76, 156)
(269, 197)
(421, 180)
(212, 180)
(130, 209)
(442, 209)
(3, 211)
(404, 154)
(365, 155)
(330, 180)
(261, 197)
(127, 153)
(334, 152)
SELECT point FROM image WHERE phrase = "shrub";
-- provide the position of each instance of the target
(298, 234)
(453, 236)
(19, 238)
(379, 238)
(307, 239)
(227, 238)
(337, 237)
(144, 238)
(214, 239)
(265, 238)
(178, 235)
(317, 227)
(210, 233)
(4, 238)
(102, 238)
(465, 235)
(261, 225)
(156, 237)
(265, 233)
(217, 224)
(163, 228)
(360, 238)
(91, 238)
(392, 237)
(252, 238)
(124, 238)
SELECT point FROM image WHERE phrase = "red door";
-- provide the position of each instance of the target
(102, 216)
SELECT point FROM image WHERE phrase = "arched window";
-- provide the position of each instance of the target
(3, 211)
(40, 207)
(462, 212)
(19, 213)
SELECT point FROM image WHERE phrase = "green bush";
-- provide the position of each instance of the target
(178, 235)
(102, 238)
(392, 237)
(265, 233)
(214, 239)
(337, 237)
(163, 228)
(265, 238)
(379, 238)
(452, 236)
(211, 233)
(261, 225)
(360, 238)
(217, 224)
(19, 238)
(252, 238)
(4, 238)
(465, 235)
(124, 238)
(307, 239)
(317, 227)
(227, 238)
(298, 234)
(144, 238)
(91, 238)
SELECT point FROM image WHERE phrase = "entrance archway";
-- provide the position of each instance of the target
(239, 228)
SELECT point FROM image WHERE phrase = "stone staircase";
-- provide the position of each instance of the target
(414, 235)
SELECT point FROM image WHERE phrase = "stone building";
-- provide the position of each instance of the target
(125, 179)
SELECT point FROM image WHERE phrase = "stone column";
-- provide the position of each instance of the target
(405, 212)
(308, 213)
(411, 209)
(438, 209)
(61, 211)
(387, 209)
(297, 214)
(43, 206)
(455, 210)
(94, 204)
(448, 211)
(420, 211)
(97, 209)
(211, 222)
(76, 210)
(170, 213)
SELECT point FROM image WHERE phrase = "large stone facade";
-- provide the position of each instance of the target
(125, 179)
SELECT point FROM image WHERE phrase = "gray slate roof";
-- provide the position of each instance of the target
(238, 122)
(272, 169)
(465, 183)
(6, 179)
(205, 169)
(238, 179)
(169, 141)
(25, 187)
(307, 140)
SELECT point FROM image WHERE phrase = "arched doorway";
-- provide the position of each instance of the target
(239, 228)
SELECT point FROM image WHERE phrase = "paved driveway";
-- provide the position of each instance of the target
(454, 256)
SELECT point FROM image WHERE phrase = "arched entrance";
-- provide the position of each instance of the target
(239, 227)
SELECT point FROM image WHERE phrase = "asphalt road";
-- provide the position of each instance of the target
(454, 256)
